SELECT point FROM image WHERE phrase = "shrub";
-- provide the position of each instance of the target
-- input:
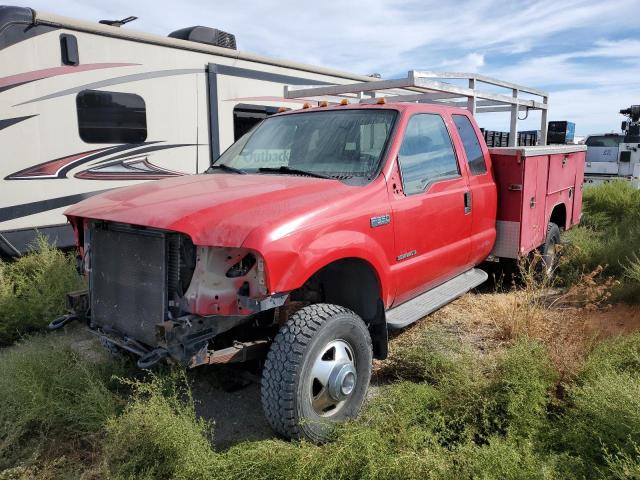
(609, 237)
(622, 465)
(394, 438)
(32, 290)
(422, 431)
(617, 354)
(631, 290)
(51, 398)
(508, 458)
(603, 414)
(428, 355)
(519, 393)
(611, 203)
(158, 435)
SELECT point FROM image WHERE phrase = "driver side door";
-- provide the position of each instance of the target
(433, 212)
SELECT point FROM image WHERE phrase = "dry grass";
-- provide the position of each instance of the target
(568, 323)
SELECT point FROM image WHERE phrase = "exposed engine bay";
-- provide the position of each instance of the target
(156, 294)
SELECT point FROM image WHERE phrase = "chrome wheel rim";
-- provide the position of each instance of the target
(333, 378)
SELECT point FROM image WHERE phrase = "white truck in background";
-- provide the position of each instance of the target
(615, 156)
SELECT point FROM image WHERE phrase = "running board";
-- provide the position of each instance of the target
(428, 302)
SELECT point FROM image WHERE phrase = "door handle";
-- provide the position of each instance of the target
(467, 202)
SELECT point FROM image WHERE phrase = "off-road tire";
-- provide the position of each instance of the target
(284, 386)
(549, 252)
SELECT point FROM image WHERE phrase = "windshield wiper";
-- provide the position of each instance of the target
(226, 168)
(286, 169)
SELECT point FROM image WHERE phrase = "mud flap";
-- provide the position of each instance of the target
(379, 333)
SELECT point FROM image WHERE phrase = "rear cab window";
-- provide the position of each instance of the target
(471, 144)
(426, 153)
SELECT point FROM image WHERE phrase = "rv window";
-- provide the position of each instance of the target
(111, 117)
(245, 117)
(69, 49)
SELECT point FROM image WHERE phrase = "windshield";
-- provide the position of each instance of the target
(340, 144)
(604, 140)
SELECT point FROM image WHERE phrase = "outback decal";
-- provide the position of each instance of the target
(13, 81)
(130, 165)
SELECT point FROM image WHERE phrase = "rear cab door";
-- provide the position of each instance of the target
(431, 211)
(482, 186)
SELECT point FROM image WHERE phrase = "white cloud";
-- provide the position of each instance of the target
(471, 62)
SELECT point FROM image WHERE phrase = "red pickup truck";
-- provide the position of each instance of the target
(308, 239)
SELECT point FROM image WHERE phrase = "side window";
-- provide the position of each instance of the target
(111, 117)
(472, 148)
(426, 154)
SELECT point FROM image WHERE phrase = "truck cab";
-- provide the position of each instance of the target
(309, 238)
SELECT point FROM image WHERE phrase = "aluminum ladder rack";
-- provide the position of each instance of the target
(431, 87)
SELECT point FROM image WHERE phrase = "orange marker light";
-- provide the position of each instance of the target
(323, 103)
(381, 101)
(344, 101)
(306, 105)
(282, 109)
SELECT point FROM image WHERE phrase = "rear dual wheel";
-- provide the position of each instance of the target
(317, 372)
(549, 251)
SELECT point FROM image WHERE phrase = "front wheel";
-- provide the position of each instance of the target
(317, 372)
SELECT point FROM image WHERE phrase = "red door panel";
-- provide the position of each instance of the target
(435, 227)
(477, 163)
(533, 228)
(432, 226)
(562, 171)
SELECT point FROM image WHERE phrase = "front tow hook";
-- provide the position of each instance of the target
(62, 321)
(149, 359)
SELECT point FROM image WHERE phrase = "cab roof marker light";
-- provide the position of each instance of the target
(282, 109)
(306, 105)
(344, 101)
(323, 103)
(381, 101)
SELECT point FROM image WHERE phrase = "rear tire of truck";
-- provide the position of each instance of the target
(317, 372)
(549, 251)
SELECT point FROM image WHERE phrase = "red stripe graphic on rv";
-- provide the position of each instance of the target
(51, 168)
(25, 77)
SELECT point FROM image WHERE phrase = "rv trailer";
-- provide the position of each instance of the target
(88, 107)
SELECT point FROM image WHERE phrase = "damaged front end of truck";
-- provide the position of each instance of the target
(155, 294)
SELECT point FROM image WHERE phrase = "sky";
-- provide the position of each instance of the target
(586, 53)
